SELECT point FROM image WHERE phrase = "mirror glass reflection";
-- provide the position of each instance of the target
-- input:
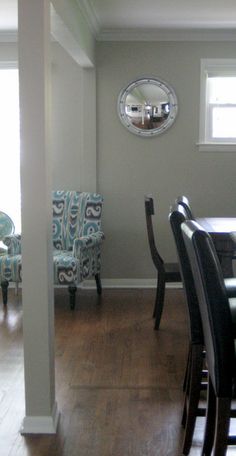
(147, 106)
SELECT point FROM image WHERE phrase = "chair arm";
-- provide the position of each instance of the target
(13, 242)
(87, 242)
(230, 285)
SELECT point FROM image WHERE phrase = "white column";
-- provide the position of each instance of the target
(37, 286)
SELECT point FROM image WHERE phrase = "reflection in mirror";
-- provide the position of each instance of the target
(147, 106)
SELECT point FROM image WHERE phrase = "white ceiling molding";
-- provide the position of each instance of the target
(62, 34)
(90, 16)
(167, 35)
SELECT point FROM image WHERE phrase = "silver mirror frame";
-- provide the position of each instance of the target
(172, 99)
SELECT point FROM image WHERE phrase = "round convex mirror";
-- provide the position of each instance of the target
(147, 106)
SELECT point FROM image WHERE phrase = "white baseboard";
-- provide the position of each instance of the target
(128, 283)
(117, 283)
(41, 424)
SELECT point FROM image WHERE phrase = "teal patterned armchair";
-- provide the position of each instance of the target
(77, 239)
(6, 228)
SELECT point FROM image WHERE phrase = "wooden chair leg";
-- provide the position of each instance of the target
(155, 305)
(98, 284)
(186, 374)
(4, 286)
(192, 396)
(223, 406)
(72, 291)
(187, 386)
(159, 304)
(210, 421)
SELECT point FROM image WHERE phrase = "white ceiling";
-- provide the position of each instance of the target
(143, 15)
(164, 13)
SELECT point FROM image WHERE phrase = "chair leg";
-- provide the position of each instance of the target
(98, 284)
(186, 386)
(155, 305)
(192, 396)
(223, 406)
(4, 286)
(159, 304)
(210, 421)
(186, 374)
(72, 291)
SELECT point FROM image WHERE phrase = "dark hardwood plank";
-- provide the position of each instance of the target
(118, 382)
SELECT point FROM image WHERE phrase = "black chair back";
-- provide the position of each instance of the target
(177, 216)
(214, 306)
(149, 212)
(183, 201)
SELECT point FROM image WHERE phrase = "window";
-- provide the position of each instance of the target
(10, 143)
(218, 105)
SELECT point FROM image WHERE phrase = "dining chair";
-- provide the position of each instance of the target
(195, 372)
(77, 241)
(219, 332)
(166, 272)
(184, 201)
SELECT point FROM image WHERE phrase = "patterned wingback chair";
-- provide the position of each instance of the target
(77, 239)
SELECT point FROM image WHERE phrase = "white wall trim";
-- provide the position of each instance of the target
(166, 35)
(41, 424)
(128, 283)
(115, 283)
(212, 67)
(216, 147)
(136, 34)
(90, 16)
(10, 36)
(61, 33)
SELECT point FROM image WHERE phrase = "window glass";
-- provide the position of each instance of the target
(224, 122)
(10, 145)
(222, 89)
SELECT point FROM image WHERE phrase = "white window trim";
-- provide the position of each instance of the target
(225, 67)
(8, 64)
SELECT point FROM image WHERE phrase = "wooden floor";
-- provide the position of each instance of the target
(118, 382)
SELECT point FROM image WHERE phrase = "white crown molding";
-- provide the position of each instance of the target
(90, 16)
(167, 35)
(61, 33)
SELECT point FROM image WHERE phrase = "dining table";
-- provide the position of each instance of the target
(223, 233)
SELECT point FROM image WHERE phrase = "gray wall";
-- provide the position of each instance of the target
(66, 120)
(167, 165)
(129, 166)
(73, 123)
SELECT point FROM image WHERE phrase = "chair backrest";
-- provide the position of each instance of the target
(214, 306)
(7, 226)
(183, 201)
(75, 214)
(177, 216)
(149, 212)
